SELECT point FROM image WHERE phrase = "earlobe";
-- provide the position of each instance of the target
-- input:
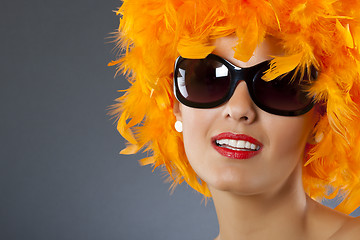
(177, 110)
(316, 137)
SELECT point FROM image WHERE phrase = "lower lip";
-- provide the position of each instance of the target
(235, 154)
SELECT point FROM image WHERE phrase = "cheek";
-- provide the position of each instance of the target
(288, 136)
(197, 125)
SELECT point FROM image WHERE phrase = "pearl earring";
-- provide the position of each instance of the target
(178, 126)
(319, 137)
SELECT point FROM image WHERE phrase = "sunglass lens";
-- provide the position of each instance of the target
(283, 93)
(202, 81)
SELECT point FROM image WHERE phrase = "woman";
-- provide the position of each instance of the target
(265, 100)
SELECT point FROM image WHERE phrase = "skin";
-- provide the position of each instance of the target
(261, 197)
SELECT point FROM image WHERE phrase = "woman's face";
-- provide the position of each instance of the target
(281, 139)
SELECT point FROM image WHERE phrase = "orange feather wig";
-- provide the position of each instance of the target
(320, 33)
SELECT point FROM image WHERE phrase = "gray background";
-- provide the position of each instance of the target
(61, 176)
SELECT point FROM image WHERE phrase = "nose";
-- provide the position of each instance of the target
(240, 106)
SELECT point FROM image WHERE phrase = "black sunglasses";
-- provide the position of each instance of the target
(210, 82)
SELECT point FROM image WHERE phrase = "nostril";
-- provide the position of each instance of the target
(231, 115)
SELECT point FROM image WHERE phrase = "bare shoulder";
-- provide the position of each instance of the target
(326, 223)
(350, 230)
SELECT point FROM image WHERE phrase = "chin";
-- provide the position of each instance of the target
(242, 192)
(238, 186)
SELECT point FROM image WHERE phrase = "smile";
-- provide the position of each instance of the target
(236, 146)
(239, 145)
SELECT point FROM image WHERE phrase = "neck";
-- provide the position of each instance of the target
(277, 214)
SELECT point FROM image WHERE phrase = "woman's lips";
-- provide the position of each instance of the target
(237, 146)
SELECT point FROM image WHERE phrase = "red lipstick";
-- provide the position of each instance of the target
(236, 152)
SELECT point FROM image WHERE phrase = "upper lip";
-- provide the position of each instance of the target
(236, 136)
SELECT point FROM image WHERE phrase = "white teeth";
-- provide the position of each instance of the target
(223, 141)
(240, 144)
(232, 142)
(237, 144)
